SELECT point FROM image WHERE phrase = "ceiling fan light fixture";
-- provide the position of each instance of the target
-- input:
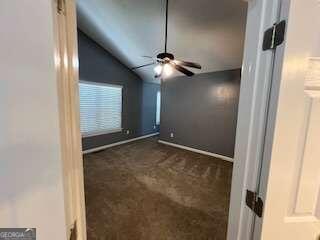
(158, 69)
(167, 69)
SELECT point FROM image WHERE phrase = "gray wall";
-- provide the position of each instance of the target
(98, 65)
(201, 111)
(149, 104)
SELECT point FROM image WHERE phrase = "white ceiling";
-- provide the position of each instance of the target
(210, 32)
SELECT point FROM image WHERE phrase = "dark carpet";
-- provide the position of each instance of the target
(148, 191)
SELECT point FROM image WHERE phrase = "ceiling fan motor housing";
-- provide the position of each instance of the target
(165, 55)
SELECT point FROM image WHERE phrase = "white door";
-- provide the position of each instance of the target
(291, 187)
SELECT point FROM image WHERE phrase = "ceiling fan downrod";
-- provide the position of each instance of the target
(166, 26)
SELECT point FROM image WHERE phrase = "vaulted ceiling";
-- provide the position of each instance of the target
(210, 32)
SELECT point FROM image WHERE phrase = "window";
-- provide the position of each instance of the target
(100, 108)
(158, 108)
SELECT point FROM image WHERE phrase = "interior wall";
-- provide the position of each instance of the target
(98, 65)
(31, 180)
(201, 111)
(149, 107)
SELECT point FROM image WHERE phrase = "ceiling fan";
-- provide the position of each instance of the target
(166, 62)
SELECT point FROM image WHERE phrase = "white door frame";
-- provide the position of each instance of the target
(254, 96)
(266, 158)
(252, 117)
(67, 66)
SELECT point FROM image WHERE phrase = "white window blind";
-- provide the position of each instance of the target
(158, 108)
(100, 108)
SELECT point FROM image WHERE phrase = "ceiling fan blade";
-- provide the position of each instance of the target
(182, 69)
(145, 65)
(159, 60)
(188, 64)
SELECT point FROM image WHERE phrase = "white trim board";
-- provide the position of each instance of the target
(118, 143)
(197, 151)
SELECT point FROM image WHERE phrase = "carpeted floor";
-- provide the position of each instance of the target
(148, 191)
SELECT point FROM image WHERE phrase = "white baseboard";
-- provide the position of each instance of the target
(118, 143)
(197, 151)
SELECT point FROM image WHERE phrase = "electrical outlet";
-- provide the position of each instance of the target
(171, 135)
(128, 132)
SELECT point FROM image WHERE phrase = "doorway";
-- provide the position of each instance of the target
(150, 172)
(265, 58)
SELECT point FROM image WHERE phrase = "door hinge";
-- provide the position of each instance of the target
(61, 6)
(254, 202)
(73, 232)
(274, 36)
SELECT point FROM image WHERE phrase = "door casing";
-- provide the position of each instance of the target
(254, 92)
(256, 81)
(67, 67)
